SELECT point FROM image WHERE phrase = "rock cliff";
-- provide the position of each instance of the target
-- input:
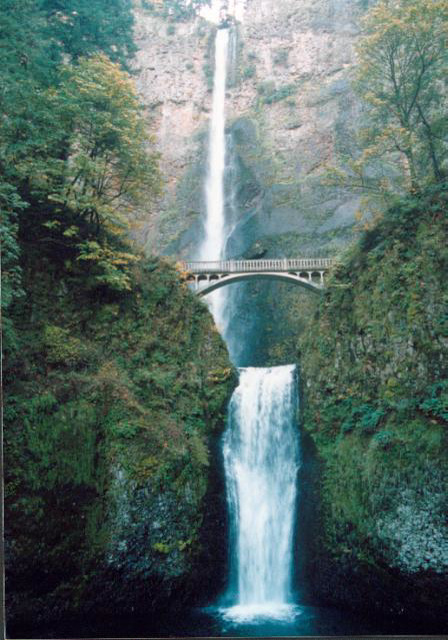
(374, 367)
(289, 107)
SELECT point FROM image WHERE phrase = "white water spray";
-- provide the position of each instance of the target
(261, 459)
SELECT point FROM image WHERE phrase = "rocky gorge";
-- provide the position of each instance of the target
(291, 111)
(375, 404)
(119, 382)
(289, 107)
(111, 449)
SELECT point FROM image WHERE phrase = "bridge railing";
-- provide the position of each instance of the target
(243, 266)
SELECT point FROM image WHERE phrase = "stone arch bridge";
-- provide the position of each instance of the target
(208, 276)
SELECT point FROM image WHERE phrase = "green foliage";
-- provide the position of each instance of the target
(435, 403)
(374, 358)
(86, 172)
(249, 72)
(270, 94)
(137, 382)
(175, 10)
(74, 158)
(109, 168)
(281, 57)
(402, 61)
(26, 62)
(199, 451)
(85, 27)
(63, 349)
(11, 272)
(364, 418)
(161, 547)
(383, 439)
(107, 267)
(62, 439)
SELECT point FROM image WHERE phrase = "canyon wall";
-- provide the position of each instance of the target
(375, 385)
(115, 500)
(290, 107)
(290, 111)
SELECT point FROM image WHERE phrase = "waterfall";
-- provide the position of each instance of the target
(261, 459)
(213, 245)
(214, 188)
(261, 443)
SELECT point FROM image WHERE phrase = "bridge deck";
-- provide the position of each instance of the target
(249, 266)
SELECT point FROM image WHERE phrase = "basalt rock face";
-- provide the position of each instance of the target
(290, 109)
(173, 86)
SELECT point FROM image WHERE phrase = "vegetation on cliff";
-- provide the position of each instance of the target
(74, 154)
(174, 10)
(115, 378)
(374, 356)
(376, 404)
(112, 397)
(399, 76)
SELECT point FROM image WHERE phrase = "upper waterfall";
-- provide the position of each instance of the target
(212, 247)
(213, 244)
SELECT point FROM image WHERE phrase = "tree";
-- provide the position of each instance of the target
(110, 167)
(91, 169)
(176, 10)
(74, 153)
(85, 27)
(402, 61)
(27, 69)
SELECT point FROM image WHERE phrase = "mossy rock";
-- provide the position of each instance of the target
(114, 403)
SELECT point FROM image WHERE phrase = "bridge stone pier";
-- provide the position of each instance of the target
(209, 276)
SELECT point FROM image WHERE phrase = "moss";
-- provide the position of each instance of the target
(161, 547)
(374, 368)
(113, 402)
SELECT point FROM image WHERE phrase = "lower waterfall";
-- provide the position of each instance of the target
(261, 460)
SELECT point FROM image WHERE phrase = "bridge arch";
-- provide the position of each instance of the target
(214, 284)
(207, 276)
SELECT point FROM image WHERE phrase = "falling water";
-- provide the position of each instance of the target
(261, 444)
(214, 187)
(213, 245)
(261, 458)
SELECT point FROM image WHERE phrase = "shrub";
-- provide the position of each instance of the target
(281, 57)
(270, 94)
(249, 72)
